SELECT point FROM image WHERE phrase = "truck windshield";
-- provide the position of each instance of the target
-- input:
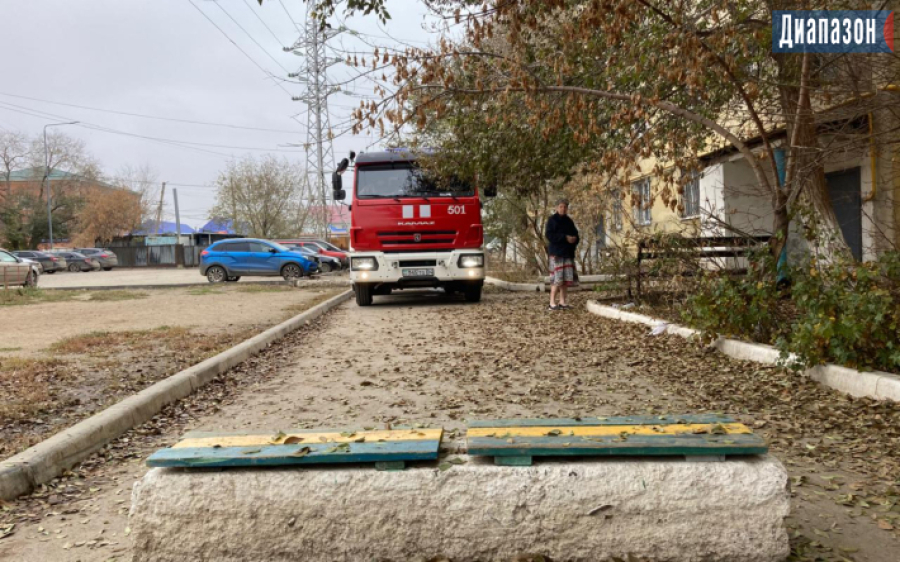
(405, 180)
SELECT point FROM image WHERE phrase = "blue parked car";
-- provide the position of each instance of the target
(228, 260)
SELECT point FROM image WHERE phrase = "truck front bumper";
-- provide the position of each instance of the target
(407, 269)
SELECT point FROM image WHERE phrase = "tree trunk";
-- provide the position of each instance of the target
(805, 177)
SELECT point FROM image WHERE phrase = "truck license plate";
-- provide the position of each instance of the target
(418, 273)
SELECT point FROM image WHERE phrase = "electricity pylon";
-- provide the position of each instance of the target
(319, 149)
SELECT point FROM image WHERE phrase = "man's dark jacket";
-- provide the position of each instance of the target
(558, 227)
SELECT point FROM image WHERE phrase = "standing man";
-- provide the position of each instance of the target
(563, 238)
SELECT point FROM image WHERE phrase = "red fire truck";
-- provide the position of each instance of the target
(409, 229)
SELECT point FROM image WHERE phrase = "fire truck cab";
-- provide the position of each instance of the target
(411, 230)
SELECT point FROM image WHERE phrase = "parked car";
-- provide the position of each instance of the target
(36, 265)
(324, 248)
(228, 260)
(51, 264)
(327, 264)
(77, 261)
(107, 259)
(15, 271)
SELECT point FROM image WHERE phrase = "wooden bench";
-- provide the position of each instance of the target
(695, 249)
(704, 437)
(389, 449)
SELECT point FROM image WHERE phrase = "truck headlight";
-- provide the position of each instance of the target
(363, 264)
(471, 260)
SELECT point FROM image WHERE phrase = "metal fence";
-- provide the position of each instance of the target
(158, 256)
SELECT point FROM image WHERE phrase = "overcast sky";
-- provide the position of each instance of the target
(163, 58)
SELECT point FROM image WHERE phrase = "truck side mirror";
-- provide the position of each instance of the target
(337, 186)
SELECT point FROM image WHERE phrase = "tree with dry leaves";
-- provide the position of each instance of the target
(106, 213)
(268, 195)
(646, 80)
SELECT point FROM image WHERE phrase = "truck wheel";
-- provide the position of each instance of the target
(473, 293)
(363, 294)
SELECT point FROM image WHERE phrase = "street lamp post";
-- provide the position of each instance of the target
(47, 177)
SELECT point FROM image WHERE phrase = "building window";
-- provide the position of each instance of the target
(641, 201)
(690, 200)
(615, 213)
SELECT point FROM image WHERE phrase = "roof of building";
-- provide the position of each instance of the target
(37, 174)
(165, 227)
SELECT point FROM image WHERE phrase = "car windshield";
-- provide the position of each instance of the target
(331, 247)
(405, 180)
(279, 247)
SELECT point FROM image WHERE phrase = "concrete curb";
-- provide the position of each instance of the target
(49, 458)
(528, 287)
(871, 384)
(585, 284)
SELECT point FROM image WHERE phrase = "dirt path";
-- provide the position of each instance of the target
(434, 361)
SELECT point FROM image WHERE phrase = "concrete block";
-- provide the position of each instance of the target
(846, 380)
(744, 351)
(888, 387)
(671, 510)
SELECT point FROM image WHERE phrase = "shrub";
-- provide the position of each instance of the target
(840, 312)
(848, 314)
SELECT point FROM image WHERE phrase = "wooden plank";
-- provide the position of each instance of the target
(562, 431)
(630, 445)
(199, 440)
(513, 461)
(299, 454)
(612, 420)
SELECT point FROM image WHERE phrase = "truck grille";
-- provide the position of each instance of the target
(418, 263)
(426, 237)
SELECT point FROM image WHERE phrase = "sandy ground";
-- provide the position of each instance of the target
(142, 276)
(27, 330)
(431, 360)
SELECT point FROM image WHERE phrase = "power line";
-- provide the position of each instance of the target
(238, 47)
(290, 17)
(183, 143)
(160, 118)
(247, 33)
(262, 21)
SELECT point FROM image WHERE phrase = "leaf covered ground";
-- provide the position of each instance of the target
(434, 361)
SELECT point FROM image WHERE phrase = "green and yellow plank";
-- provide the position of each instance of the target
(387, 448)
(705, 436)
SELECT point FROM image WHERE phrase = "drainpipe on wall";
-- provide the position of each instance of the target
(781, 268)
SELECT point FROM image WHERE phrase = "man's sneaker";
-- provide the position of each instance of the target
(552, 307)
(563, 306)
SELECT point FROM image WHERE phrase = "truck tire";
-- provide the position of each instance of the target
(363, 294)
(473, 293)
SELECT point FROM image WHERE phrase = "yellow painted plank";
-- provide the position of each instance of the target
(598, 430)
(323, 437)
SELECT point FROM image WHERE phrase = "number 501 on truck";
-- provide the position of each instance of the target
(410, 228)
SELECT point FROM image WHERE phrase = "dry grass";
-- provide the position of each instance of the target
(23, 296)
(103, 343)
(115, 296)
(264, 288)
(25, 385)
